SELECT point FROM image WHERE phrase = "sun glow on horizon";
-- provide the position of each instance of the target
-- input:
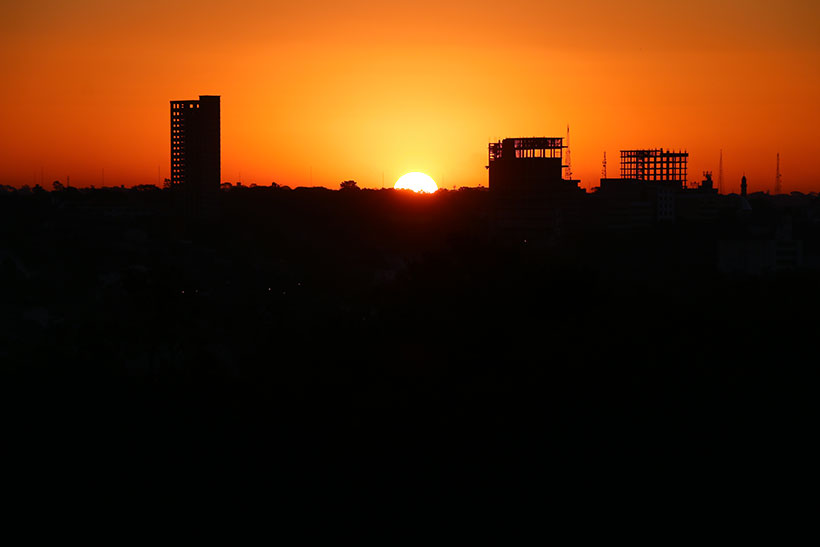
(417, 182)
(321, 92)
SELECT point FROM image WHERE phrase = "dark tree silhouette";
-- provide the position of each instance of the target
(349, 185)
(57, 186)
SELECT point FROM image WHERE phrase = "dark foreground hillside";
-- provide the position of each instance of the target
(330, 343)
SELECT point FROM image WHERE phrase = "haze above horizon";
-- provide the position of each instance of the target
(331, 91)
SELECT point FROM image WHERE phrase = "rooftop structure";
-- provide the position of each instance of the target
(655, 165)
(527, 147)
(527, 164)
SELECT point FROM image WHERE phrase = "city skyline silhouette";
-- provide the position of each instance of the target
(211, 293)
(313, 104)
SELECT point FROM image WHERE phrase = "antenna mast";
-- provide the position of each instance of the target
(720, 173)
(603, 167)
(569, 158)
(778, 186)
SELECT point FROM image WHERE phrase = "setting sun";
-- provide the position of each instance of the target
(418, 182)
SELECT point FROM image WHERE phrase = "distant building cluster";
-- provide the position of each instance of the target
(529, 188)
(535, 204)
(535, 200)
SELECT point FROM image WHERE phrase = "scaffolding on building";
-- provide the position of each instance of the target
(654, 165)
(531, 147)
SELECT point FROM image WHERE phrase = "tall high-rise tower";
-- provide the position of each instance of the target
(196, 152)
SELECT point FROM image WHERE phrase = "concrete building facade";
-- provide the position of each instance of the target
(196, 151)
(532, 203)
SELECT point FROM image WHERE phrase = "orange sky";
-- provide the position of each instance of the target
(320, 92)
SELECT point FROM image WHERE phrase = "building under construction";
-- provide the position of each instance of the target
(532, 202)
(528, 164)
(653, 187)
(655, 165)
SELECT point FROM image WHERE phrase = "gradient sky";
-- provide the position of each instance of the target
(317, 92)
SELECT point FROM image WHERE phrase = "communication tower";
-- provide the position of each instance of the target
(778, 186)
(569, 161)
(720, 173)
(603, 167)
